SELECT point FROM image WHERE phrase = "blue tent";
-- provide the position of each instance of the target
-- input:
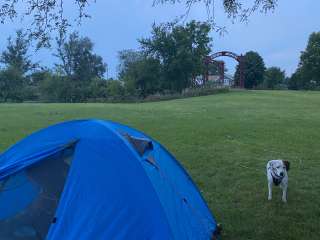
(95, 179)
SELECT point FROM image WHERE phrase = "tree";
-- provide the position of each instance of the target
(32, 90)
(48, 16)
(11, 85)
(126, 59)
(140, 73)
(115, 89)
(17, 64)
(273, 77)
(235, 9)
(98, 89)
(213, 68)
(295, 82)
(254, 69)
(180, 49)
(79, 65)
(16, 54)
(78, 60)
(307, 75)
(57, 88)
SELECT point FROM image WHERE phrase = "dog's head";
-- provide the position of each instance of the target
(280, 167)
(287, 165)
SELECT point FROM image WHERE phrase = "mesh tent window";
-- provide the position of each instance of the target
(29, 198)
(141, 145)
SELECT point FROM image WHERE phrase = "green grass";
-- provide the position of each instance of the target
(224, 141)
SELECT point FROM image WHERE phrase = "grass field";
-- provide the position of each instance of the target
(224, 141)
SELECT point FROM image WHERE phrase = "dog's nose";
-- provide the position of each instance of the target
(281, 174)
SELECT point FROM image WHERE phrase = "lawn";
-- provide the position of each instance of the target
(224, 142)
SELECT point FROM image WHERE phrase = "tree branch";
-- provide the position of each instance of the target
(47, 16)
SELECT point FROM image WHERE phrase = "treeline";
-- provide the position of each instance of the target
(167, 63)
(306, 77)
(77, 76)
(257, 76)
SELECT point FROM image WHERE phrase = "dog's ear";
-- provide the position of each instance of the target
(287, 164)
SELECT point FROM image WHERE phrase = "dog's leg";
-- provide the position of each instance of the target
(284, 192)
(270, 190)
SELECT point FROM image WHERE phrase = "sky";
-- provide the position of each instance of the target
(279, 37)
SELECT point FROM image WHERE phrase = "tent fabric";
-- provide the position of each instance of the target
(28, 215)
(116, 188)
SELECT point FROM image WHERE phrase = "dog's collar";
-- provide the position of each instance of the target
(276, 181)
(276, 176)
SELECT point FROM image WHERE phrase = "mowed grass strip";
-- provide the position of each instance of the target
(224, 141)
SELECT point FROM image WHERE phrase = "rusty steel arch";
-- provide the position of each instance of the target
(238, 58)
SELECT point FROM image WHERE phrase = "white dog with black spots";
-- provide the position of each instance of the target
(277, 174)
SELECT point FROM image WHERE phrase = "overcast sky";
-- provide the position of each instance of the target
(278, 37)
